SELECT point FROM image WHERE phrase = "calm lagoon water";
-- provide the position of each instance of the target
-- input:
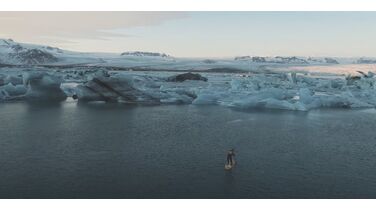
(116, 151)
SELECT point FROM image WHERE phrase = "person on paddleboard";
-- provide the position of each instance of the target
(230, 157)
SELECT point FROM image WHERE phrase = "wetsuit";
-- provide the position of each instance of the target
(230, 156)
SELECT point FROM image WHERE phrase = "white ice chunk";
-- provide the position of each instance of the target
(43, 86)
(14, 90)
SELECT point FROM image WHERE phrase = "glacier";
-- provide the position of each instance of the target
(31, 72)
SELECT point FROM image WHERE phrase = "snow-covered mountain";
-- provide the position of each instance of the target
(14, 53)
(366, 61)
(144, 54)
(287, 60)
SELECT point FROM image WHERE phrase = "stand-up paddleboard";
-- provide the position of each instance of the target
(228, 166)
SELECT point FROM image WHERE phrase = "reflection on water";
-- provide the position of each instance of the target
(229, 183)
(121, 151)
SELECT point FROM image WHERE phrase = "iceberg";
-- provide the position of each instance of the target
(14, 90)
(41, 85)
(124, 88)
(283, 91)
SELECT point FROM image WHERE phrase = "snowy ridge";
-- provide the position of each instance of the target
(13, 53)
(144, 54)
(16, 53)
(288, 60)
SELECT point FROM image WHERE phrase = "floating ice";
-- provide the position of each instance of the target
(14, 90)
(43, 86)
(273, 91)
(285, 91)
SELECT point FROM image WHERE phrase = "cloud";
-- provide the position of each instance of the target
(65, 26)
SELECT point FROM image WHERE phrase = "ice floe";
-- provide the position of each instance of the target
(285, 91)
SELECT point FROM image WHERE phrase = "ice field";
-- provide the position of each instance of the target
(39, 73)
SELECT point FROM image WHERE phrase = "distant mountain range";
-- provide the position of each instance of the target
(144, 54)
(14, 53)
(288, 60)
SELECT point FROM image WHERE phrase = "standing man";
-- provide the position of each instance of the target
(231, 157)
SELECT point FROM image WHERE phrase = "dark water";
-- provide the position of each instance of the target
(117, 151)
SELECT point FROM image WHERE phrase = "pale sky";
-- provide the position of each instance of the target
(198, 34)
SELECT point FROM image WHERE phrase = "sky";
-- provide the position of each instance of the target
(199, 34)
